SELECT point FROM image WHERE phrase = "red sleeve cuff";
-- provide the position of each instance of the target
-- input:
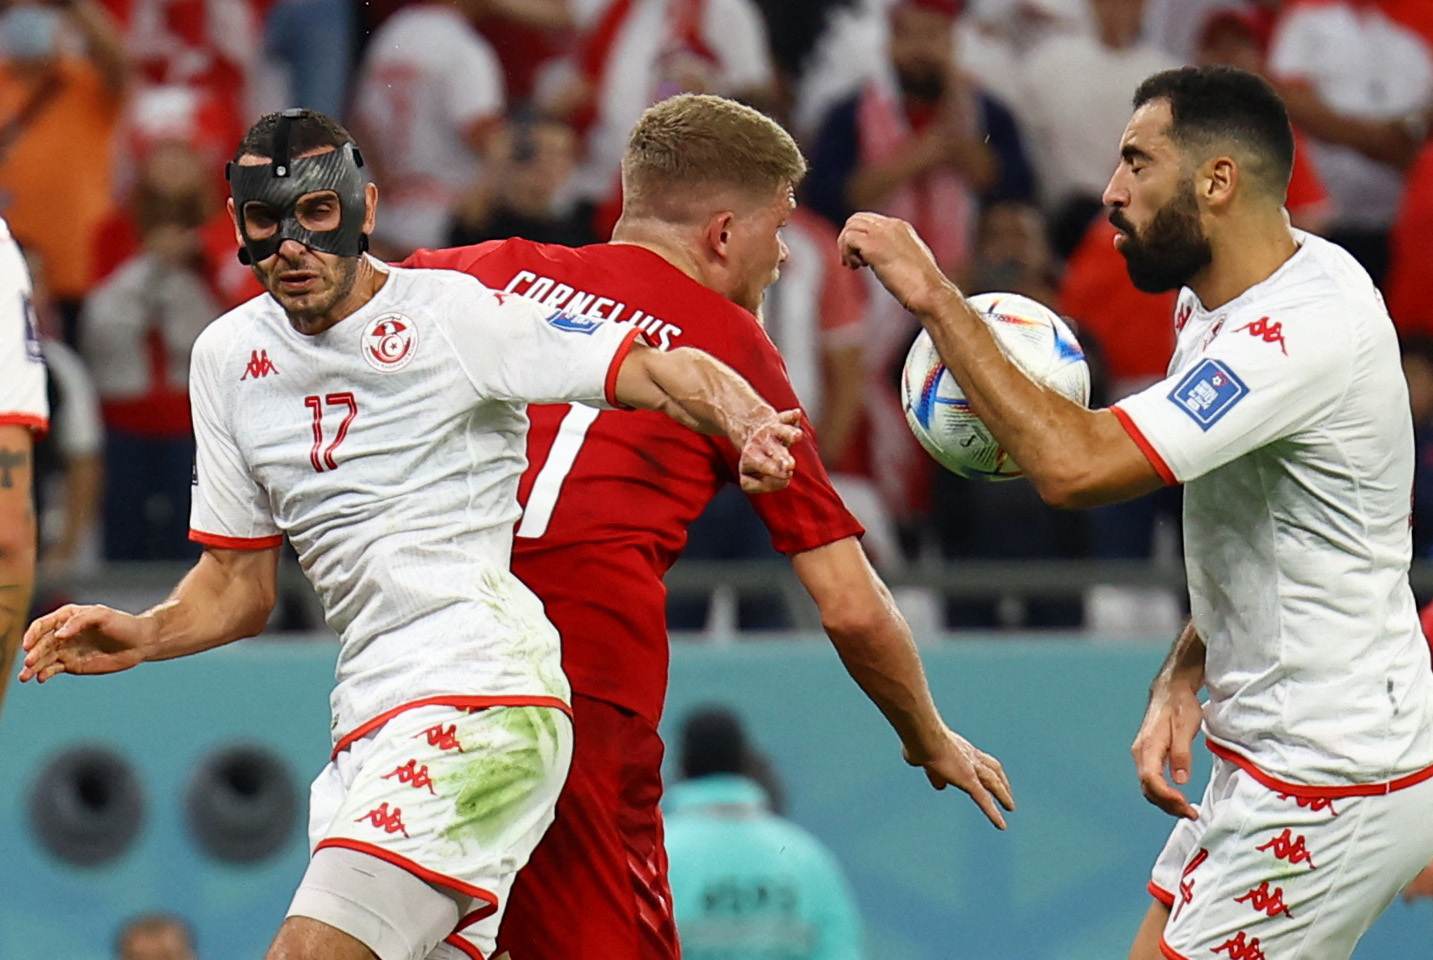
(236, 543)
(1145, 447)
(609, 386)
(38, 425)
(1160, 894)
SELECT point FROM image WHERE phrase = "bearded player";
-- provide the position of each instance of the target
(1285, 415)
(375, 417)
(707, 184)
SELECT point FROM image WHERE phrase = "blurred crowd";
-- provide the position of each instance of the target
(991, 124)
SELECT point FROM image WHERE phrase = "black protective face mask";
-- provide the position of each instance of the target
(280, 183)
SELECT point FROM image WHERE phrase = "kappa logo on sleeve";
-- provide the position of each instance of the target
(1208, 392)
(570, 323)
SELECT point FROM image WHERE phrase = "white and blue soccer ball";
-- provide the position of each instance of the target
(1032, 336)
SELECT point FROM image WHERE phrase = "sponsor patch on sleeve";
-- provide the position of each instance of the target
(570, 323)
(1208, 392)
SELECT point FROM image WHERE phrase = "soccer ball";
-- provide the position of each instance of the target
(1032, 336)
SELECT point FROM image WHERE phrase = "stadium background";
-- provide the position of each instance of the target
(1040, 631)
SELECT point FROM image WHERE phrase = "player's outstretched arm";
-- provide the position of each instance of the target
(874, 642)
(227, 596)
(1171, 722)
(1074, 457)
(699, 391)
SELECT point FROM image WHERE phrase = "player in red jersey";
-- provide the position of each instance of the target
(707, 185)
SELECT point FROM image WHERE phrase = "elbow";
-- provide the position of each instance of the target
(256, 618)
(1067, 485)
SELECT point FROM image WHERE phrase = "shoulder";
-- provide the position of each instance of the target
(219, 338)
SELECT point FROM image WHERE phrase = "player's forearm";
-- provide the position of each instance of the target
(701, 392)
(210, 607)
(1185, 663)
(17, 585)
(880, 655)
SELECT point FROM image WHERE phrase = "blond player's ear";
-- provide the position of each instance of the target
(234, 219)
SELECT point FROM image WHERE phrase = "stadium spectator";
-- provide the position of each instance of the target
(174, 179)
(927, 144)
(973, 520)
(58, 114)
(1239, 37)
(313, 41)
(526, 188)
(632, 53)
(208, 49)
(1074, 103)
(747, 882)
(1409, 286)
(1360, 85)
(995, 36)
(429, 94)
(1417, 354)
(155, 936)
(24, 413)
(136, 332)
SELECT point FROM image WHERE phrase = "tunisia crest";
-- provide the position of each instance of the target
(390, 342)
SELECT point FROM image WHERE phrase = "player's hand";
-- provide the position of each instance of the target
(1419, 886)
(898, 256)
(766, 462)
(1166, 736)
(84, 640)
(955, 762)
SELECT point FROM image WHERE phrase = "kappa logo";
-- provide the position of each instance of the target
(1286, 847)
(259, 365)
(390, 343)
(385, 820)
(570, 323)
(415, 776)
(1311, 804)
(1267, 332)
(1241, 947)
(444, 738)
(1181, 317)
(1270, 904)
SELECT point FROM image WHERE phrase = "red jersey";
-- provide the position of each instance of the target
(608, 495)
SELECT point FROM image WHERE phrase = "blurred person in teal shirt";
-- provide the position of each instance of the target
(748, 884)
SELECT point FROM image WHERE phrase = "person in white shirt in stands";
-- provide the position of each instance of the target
(1285, 415)
(375, 416)
(24, 412)
(429, 94)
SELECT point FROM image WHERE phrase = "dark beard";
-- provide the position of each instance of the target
(1171, 250)
(921, 86)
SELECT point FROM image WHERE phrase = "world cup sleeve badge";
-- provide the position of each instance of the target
(390, 342)
(1208, 392)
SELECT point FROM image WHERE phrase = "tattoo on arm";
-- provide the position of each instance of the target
(10, 460)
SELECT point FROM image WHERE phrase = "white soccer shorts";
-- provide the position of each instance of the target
(456, 797)
(1265, 875)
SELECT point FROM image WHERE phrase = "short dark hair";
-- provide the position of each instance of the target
(713, 742)
(1216, 106)
(309, 130)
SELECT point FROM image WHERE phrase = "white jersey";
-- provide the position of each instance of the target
(22, 365)
(1285, 414)
(388, 449)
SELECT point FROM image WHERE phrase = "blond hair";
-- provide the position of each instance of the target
(697, 140)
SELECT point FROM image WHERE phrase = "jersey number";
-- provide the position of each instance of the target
(315, 404)
(548, 483)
